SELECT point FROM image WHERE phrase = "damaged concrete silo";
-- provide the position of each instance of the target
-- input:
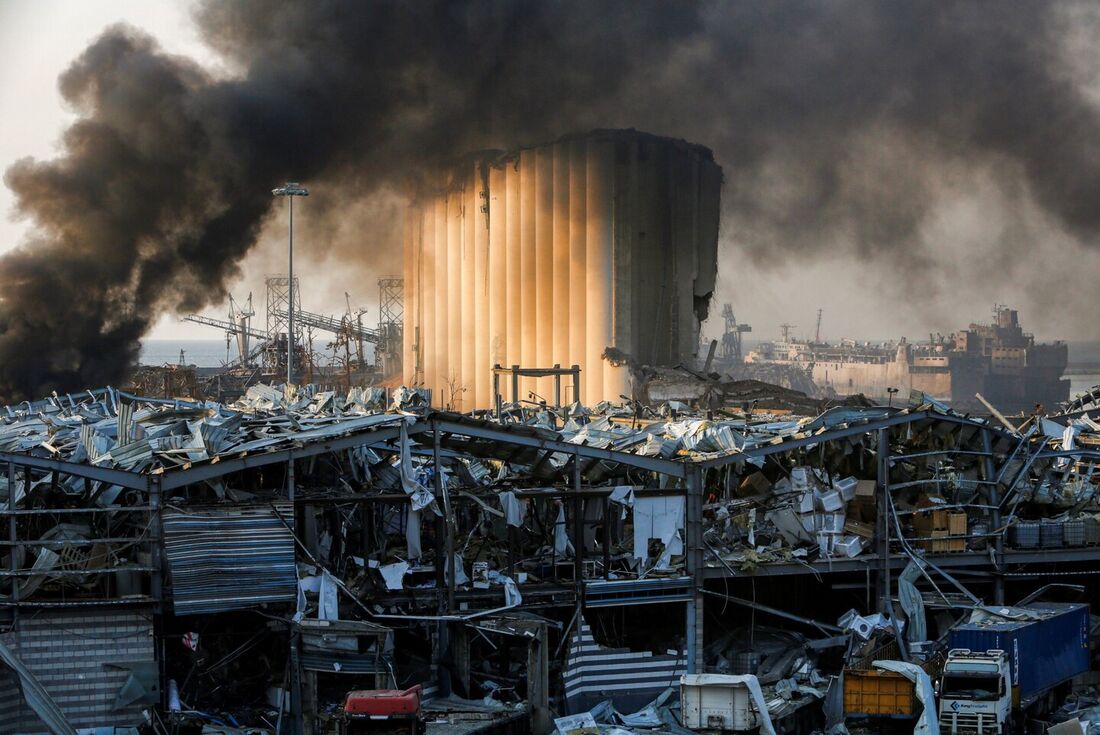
(553, 254)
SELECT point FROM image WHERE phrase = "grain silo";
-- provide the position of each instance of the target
(552, 254)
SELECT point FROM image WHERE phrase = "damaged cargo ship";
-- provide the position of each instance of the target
(998, 360)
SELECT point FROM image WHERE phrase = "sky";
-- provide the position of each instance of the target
(861, 299)
(39, 40)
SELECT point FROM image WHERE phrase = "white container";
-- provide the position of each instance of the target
(849, 546)
(806, 503)
(846, 488)
(825, 542)
(811, 522)
(802, 478)
(832, 522)
(831, 501)
(716, 702)
(481, 575)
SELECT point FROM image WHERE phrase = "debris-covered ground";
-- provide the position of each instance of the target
(280, 551)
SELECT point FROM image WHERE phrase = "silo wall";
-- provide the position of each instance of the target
(551, 255)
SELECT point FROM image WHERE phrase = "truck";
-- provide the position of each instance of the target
(1009, 664)
(383, 712)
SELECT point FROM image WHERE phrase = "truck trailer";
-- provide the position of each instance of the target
(1009, 663)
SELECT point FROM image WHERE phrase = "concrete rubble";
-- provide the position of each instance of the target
(531, 567)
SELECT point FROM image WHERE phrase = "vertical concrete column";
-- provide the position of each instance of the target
(528, 356)
(454, 233)
(598, 242)
(544, 260)
(497, 284)
(471, 220)
(424, 302)
(410, 250)
(439, 297)
(684, 194)
(578, 154)
(514, 281)
(559, 352)
(483, 314)
(623, 254)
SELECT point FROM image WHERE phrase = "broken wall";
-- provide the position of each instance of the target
(551, 254)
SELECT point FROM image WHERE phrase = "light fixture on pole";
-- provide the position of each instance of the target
(290, 190)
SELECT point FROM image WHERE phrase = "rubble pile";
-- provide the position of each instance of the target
(363, 539)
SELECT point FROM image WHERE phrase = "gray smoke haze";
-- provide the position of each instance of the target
(846, 130)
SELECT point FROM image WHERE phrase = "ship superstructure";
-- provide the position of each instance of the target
(999, 360)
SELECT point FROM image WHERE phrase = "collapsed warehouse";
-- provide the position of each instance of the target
(183, 565)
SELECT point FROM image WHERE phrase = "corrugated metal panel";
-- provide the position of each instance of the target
(36, 695)
(80, 658)
(607, 239)
(228, 559)
(344, 662)
(637, 592)
(594, 673)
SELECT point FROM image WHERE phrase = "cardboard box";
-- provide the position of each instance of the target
(858, 528)
(754, 484)
(865, 489)
(934, 525)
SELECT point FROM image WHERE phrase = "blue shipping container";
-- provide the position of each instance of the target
(1044, 653)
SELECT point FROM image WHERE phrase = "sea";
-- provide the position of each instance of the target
(213, 353)
(209, 352)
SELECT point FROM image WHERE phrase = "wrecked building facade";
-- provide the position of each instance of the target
(550, 255)
(180, 564)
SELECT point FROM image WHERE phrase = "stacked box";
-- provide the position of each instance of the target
(1074, 533)
(1051, 534)
(1092, 531)
(866, 500)
(849, 546)
(831, 501)
(847, 488)
(802, 478)
(1025, 535)
(941, 523)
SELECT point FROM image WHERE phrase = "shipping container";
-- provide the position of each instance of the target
(877, 693)
(1045, 650)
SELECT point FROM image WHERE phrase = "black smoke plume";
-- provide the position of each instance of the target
(837, 123)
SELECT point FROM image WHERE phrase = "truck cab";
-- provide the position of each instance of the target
(975, 692)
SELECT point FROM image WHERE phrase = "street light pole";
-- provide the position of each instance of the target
(290, 190)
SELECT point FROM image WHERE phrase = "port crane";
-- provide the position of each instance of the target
(731, 339)
(239, 326)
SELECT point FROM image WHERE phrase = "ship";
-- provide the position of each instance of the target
(999, 361)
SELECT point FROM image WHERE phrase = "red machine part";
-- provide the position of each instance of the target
(383, 703)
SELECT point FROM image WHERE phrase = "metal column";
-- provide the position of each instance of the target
(994, 518)
(578, 532)
(884, 582)
(693, 529)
